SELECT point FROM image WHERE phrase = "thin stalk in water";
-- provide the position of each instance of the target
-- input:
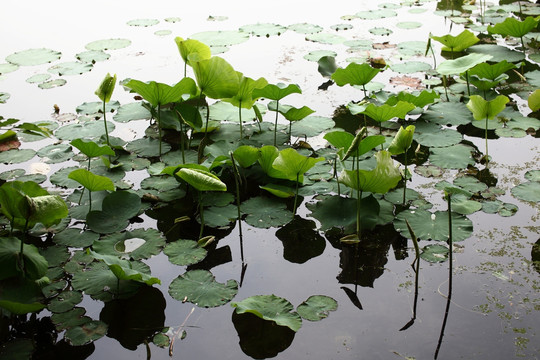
(240, 117)
(105, 122)
(405, 176)
(275, 125)
(296, 195)
(201, 212)
(159, 128)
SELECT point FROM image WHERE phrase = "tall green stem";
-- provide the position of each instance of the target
(105, 122)
(159, 128)
(240, 117)
(405, 178)
(201, 212)
(296, 195)
(275, 125)
(358, 200)
(486, 136)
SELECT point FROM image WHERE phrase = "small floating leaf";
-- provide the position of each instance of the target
(184, 252)
(33, 57)
(108, 44)
(201, 288)
(316, 307)
(143, 22)
(434, 253)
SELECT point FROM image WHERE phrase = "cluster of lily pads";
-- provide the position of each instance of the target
(213, 162)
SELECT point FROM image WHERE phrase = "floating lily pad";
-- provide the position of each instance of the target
(427, 225)
(326, 38)
(311, 126)
(70, 318)
(412, 48)
(376, 14)
(143, 22)
(137, 244)
(75, 238)
(70, 68)
(53, 154)
(173, 19)
(498, 53)
(108, 44)
(316, 55)
(381, 31)
(434, 253)
(184, 252)
(305, 28)
(16, 156)
(221, 38)
(341, 27)
(533, 175)
(316, 307)
(4, 97)
(130, 112)
(410, 67)
(453, 157)
(7, 68)
(271, 308)
(220, 216)
(528, 191)
(92, 56)
(90, 129)
(164, 32)
(201, 288)
(65, 301)
(448, 113)
(264, 212)
(408, 25)
(440, 138)
(33, 57)
(264, 29)
(51, 84)
(38, 78)
(86, 333)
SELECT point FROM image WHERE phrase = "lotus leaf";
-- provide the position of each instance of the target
(316, 307)
(263, 29)
(117, 208)
(89, 129)
(498, 52)
(271, 308)
(200, 288)
(184, 252)
(458, 43)
(201, 180)
(325, 38)
(55, 153)
(402, 141)
(513, 27)
(108, 44)
(124, 269)
(70, 318)
(86, 333)
(384, 177)
(434, 226)
(148, 243)
(32, 57)
(483, 109)
(354, 74)
(457, 156)
(35, 265)
(92, 56)
(16, 156)
(132, 111)
(263, 212)
(293, 165)
(462, 64)
(527, 191)
(434, 253)
(161, 94)
(75, 237)
(21, 296)
(221, 38)
(65, 301)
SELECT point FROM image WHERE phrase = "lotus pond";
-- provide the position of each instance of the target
(351, 181)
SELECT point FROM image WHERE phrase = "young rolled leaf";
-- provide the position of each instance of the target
(106, 88)
(457, 43)
(201, 180)
(482, 109)
(402, 141)
(384, 177)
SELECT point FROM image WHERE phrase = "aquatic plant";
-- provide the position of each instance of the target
(104, 92)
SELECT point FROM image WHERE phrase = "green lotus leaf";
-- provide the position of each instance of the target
(448, 113)
(16, 156)
(271, 308)
(410, 67)
(384, 177)
(108, 44)
(463, 205)
(51, 84)
(147, 147)
(201, 180)
(65, 301)
(419, 100)
(485, 76)
(86, 333)
(386, 112)
(441, 138)
(434, 226)
(91, 56)
(482, 109)
(245, 98)
(534, 100)
(220, 216)
(458, 43)
(97, 280)
(201, 289)
(221, 38)
(533, 175)
(74, 237)
(117, 208)
(7, 68)
(527, 191)
(514, 27)
(276, 91)
(38, 78)
(402, 141)
(91, 181)
(4, 96)
(316, 307)
(70, 68)
(380, 31)
(457, 156)
(35, 265)
(137, 244)
(268, 154)
(246, 155)
(462, 64)
(55, 153)
(132, 111)
(296, 114)
(305, 28)
(293, 165)
(192, 49)
(327, 63)
(354, 74)
(21, 296)
(326, 38)
(184, 252)
(124, 270)
(32, 57)
(216, 78)
(91, 149)
(263, 29)
(264, 212)
(70, 318)
(161, 94)
(280, 191)
(90, 129)
(376, 14)
(434, 253)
